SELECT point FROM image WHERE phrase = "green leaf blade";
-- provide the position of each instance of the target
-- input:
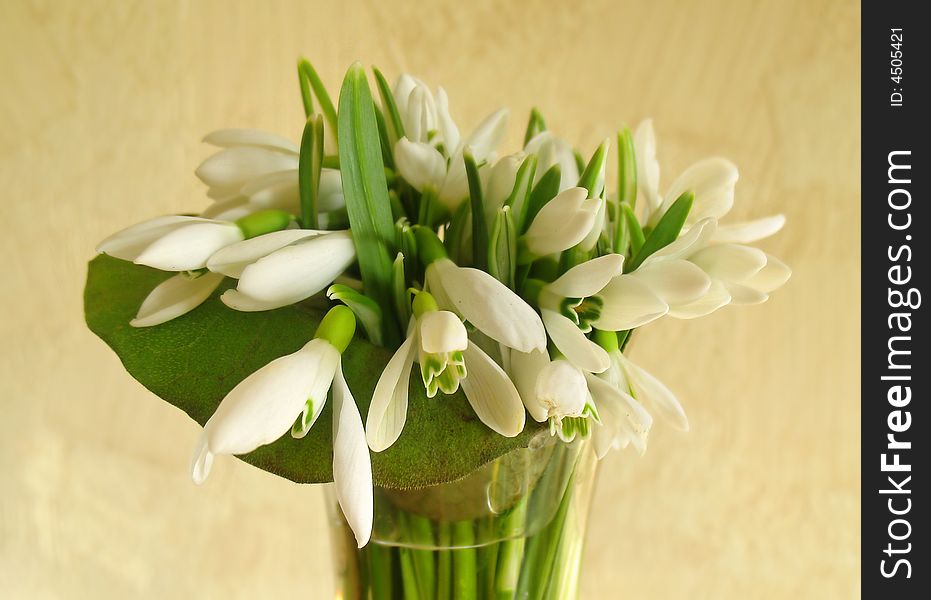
(666, 231)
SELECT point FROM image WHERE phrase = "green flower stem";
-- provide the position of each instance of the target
(464, 561)
(421, 534)
(408, 576)
(512, 551)
(380, 583)
(444, 562)
(487, 561)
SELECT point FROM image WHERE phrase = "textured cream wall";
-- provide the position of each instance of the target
(101, 108)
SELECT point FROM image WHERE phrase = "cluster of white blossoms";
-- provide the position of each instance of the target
(521, 280)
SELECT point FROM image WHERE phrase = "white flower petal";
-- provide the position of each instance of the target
(420, 164)
(202, 461)
(749, 231)
(771, 277)
(188, 247)
(647, 165)
(561, 388)
(128, 243)
(492, 394)
(388, 409)
(623, 418)
(563, 222)
(488, 304)
(442, 331)
(712, 181)
(730, 262)
(245, 303)
(233, 167)
(525, 368)
(227, 138)
(352, 465)
(447, 127)
(455, 185)
(628, 303)
(651, 391)
(488, 134)
(229, 210)
(174, 297)
(501, 179)
(578, 349)
(716, 297)
(598, 225)
(550, 151)
(232, 259)
(693, 240)
(743, 295)
(274, 190)
(299, 270)
(674, 281)
(588, 278)
(264, 405)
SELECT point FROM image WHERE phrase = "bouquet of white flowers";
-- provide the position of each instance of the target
(513, 281)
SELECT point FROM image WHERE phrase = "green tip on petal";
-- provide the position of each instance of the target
(337, 327)
(423, 303)
(262, 222)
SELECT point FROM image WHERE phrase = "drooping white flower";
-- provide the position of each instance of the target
(625, 375)
(289, 274)
(255, 170)
(430, 155)
(176, 296)
(624, 420)
(172, 243)
(712, 180)
(551, 150)
(437, 339)
(550, 389)
(289, 393)
(565, 221)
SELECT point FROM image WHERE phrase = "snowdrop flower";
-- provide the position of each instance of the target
(430, 155)
(563, 222)
(437, 339)
(256, 169)
(712, 180)
(552, 390)
(289, 393)
(551, 150)
(624, 420)
(738, 274)
(293, 272)
(186, 244)
(479, 298)
(176, 296)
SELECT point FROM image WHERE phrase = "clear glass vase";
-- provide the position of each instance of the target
(512, 529)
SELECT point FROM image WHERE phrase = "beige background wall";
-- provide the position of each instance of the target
(101, 108)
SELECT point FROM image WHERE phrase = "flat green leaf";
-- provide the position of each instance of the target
(634, 232)
(545, 190)
(520, 194)
(502, 249)
(313, 79)
(309, 167)
(666, 231)
(366, 191)
(364, 308)
(593, 175)
(477, 203)
(392, 118)
(535, 125)
(193, 361)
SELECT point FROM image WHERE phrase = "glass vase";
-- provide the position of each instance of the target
(512, 529)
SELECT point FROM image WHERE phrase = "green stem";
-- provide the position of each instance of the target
(379, 558)
(464, 577)
(444, 563)
(512, 551)
(408, 576)
(421, 534)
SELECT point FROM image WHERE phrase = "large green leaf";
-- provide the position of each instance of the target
(193, 361)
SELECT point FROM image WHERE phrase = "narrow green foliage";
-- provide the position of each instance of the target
(366, 192)
(479, 226)
(626, 169)
(365, 309)
(545, 190)
(309, 167)
(326, 105)
(502, 250)
(392, 118)
(535, 125)
(306, 97)
(520, 194)
(457, 244)
(634, 232)
(666, 231)
(386, 144)
(464, 562)
(399, 291)
(592, 178)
